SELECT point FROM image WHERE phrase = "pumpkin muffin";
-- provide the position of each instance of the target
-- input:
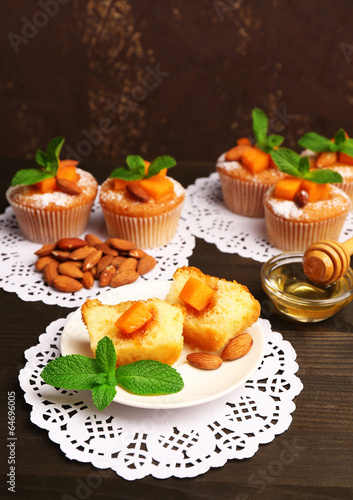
(142, 206)
(53, 201)
(247, 171)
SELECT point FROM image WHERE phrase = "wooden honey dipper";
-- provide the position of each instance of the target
(327, 261)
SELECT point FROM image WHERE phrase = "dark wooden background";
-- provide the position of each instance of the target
(85, 61)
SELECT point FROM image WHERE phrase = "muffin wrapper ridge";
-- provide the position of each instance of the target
(146, 232)
(48, 226)
(293, 235)
(243, 197)
(347, 187)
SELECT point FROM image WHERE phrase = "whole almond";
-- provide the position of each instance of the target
(204, 360)
(128, 264)
(120, 244)
(106, 249)
(50, 271)
(45, 250)
(146, 264)
(92, 239)
(92, 260)
(69, 269)
(68, 186)
(237, 347)
(116, 261)
(94, 272)
(70, 243)
(87, 280)
(82, 253)
(67, 284)
(124, 278)
(61, 255)
(138, 192)
(137, 253)
(107, 275)
(43, 261)
(105, 261)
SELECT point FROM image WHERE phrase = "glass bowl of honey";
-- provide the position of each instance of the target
(299, 298)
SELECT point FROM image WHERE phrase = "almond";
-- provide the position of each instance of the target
(124, 278)
(128, 264)
(70, 243)
(146, 264)
(61, 255)
(92, 260)
(82, 253)
(45, 250)
(50, 271)
(116, 261)
(67, 284)
(92, 240)
(68, 186)
(204, 360)
(138, 192)
(107, 275)
(106, 249)
(94, 272)
(43, 261)
(137, 253)
(120, 244)
(237, 347)
(105, 261)
(87, 280)
(69, 269)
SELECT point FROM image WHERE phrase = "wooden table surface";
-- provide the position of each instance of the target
(321, 430)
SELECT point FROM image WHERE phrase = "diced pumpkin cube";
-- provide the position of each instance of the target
(196, 294)
(255, 160)
(287, 188)
(147, 164)
(163, 172)
(346, 159)
(157, 186)
(133, 318)
(46, 185)
(235, 153)
(67, 171)
(315, 191)
(243, 141)
(119, 184)
(326, 158)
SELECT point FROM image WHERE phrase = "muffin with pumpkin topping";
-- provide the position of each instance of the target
(53, 201)
(141, 203)
(306, 207)
(247, 171)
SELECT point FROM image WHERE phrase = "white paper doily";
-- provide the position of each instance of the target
(184, 442)
(18, 274)
(210, 220)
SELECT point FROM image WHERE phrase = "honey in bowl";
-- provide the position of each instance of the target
(296, 296)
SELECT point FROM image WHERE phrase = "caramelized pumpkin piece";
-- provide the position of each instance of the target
(196, 294)
(234, 154)
(255, 160)
(67, 170)
(344, 158)
(287, 188)
(327, 158)
(133, 318)
(157, 186)
(119, 184)
(46, 185)
(315, 191)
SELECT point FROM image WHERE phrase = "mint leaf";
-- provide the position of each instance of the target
(347, 147)
(323, 176)
(125, 174)
(30, 176)
(74, 371)
(260, 124)
(106, 355)
(159, 164)
(103, 395)
(340, 137)
(148, 377)
(42, 158)
(274, 140)
(303, 166)
(54, 148)
(316, 142)
(287, 161)
(135, 161)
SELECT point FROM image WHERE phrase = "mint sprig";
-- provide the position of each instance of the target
(265, 142)
(289, 162)
(48, 161)
(319, 144)
(135, 168)
(100, 375)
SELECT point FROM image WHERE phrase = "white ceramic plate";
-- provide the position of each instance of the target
(200, 386)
